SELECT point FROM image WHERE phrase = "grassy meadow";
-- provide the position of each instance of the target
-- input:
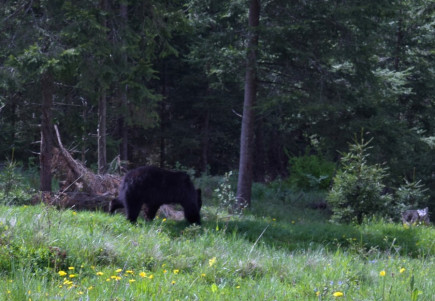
(280, 249)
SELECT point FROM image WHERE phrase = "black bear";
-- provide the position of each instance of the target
(154, 187)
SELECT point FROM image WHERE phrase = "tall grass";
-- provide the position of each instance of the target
(279, 250)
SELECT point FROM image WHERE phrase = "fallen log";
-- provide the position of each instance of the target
(75, 200)
(84, 190)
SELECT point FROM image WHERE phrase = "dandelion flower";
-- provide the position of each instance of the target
(382, 273)
(212, 261)
(402, 270)
(72, 276)
(142, 274)
(151, 277)
(131, 280)
(129, 272)
(71, 268)
(118, 271)
(338, 294)
(62, 273)
(202, 275)
(176, 272)
(164, 220)
(173, 282)
(100, 273)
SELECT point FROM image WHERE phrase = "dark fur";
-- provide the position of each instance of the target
(154, 187)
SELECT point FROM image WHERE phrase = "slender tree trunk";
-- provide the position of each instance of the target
(123, 10)
(102, 159)
(164, 116)
(46, 132)
(205, 140)
(102, 113)
(244, 183)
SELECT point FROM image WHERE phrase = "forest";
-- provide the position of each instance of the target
(171, 83)
(307, 126)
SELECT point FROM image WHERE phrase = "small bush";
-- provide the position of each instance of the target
(13, 190)
(358, 191)
(311, 172)
(410, 195)
(226, 196)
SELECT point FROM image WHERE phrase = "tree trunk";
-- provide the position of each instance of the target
(164, 116)
(123, 151)
(205, 141)
(244, 183)
(46, 132)
(84, 133)
(101, 135)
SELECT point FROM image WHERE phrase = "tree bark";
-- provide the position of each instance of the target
(102, 159)
(244, 183)
(123, 151)
(205, 141)
(46, 132)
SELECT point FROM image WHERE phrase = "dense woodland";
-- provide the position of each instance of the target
(165, 83)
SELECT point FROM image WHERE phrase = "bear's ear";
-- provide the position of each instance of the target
(199, 199)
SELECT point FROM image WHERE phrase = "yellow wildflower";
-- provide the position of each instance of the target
(212, 261)
(176, 272)
(100, 273)
(118, 270)
(338, 294)
(382, 273)
(142, 274)
(402, 270)
(151, 276)
(62, 273)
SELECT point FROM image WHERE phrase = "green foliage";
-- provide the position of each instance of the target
(13, 189)
(410, 195)
(225, 195)
(358, 189)
(311, 172)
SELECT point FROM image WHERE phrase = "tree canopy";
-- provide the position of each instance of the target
(172, 74)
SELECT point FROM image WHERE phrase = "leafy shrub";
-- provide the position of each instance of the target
(226, 196)
(311, 172)
(13, 190)
(357, 190)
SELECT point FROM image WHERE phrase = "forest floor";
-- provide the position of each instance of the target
(280, 249)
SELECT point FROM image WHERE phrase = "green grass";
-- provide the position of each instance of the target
(279, 250)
